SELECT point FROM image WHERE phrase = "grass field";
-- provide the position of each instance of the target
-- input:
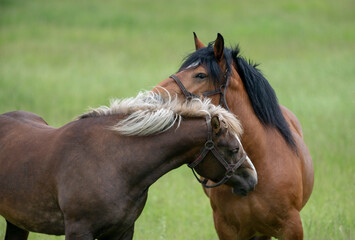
(59, 57)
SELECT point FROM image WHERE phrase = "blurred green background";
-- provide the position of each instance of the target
(57, 58)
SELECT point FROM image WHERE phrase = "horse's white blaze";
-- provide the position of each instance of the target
(252, 166)
(193, 65)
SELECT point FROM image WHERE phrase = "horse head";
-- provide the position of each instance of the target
(233, 167)
(205, 72)
(228, 79)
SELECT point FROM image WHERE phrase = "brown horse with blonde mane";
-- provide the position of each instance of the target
(90, 178)
(272, 138)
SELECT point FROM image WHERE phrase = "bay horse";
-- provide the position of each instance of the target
(90, 178)
(272, 138)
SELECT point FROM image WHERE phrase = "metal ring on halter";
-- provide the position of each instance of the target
(209, 145)
(229, 173)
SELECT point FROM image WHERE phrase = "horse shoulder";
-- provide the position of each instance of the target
(304, 155)
(292, 120)
(93, 161)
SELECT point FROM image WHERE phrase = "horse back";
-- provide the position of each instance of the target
(22, 117)
(19, 124)
(22, 135)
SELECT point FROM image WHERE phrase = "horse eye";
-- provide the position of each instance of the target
(235, 150)
(201, 75)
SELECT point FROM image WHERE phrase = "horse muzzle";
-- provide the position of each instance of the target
(243, 181)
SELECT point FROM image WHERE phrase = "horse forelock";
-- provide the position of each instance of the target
(151, 113)
(204, 56)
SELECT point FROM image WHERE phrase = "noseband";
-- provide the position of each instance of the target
(222, 90)
(210, 147)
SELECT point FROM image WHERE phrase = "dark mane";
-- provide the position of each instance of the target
(204, 56)
(262, 96)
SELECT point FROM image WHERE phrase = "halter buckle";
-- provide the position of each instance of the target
(209, 145)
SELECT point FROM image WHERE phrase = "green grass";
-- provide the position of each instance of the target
(59, 57)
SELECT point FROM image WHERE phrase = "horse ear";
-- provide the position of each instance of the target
(198, 43)
(219, 47)
(216, 125)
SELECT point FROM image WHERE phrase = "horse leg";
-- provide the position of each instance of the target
(128, 235)
(77, 231)
(15, 233)
(72, 235)
(260, 238)
(293, 229)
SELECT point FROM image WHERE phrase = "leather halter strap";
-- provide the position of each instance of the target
(222, 90)
(188, 95)
(210, 147)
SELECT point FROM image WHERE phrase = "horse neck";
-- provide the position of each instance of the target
(164, 152)
(254, 132)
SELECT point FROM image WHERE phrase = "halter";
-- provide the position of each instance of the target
(210, 147)
(221, 90)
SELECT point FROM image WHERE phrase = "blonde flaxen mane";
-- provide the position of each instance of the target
(151, 113)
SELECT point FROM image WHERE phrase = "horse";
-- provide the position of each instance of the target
(272, 138)
(89, 178)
